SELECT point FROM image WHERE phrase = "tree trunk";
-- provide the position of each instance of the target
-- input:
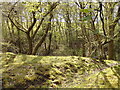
(49, 45)
(43, 37)
(30, 46)
(68, 25)
(111, 43)
(111, 51)
(19, 42)
(83, 49)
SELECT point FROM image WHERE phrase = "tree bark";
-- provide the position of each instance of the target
(43, 37)
(30, 46)
(49, 45)
(111, 51)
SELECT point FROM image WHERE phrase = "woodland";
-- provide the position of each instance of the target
(60, 45)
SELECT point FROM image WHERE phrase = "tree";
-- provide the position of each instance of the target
(111, 53)
(34, 8)
(54, 28)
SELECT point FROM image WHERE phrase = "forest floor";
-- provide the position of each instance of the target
(28, 71)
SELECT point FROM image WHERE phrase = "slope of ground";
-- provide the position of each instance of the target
(28, 71)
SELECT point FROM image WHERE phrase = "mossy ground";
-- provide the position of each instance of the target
(28, 71)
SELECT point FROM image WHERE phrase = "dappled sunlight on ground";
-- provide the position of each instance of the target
(28, 71)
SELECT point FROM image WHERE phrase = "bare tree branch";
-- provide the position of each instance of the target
(51, 9)
(34, 21)
(16, 25)
(12, 20)
(21, 25)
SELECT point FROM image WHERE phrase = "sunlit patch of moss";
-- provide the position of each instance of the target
(27, 59)
(55, 71)
(8, 58)
(111, 62)
(31, 86)
(52, 77)
(57, 82)
(102, 79)
(30, 75)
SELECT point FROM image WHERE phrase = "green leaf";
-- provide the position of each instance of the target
(87, 18)
(96, 31)
(86, 10)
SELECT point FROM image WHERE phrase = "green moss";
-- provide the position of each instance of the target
(51, 71)
(102, 79)
(56, 71)
(7, 58)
